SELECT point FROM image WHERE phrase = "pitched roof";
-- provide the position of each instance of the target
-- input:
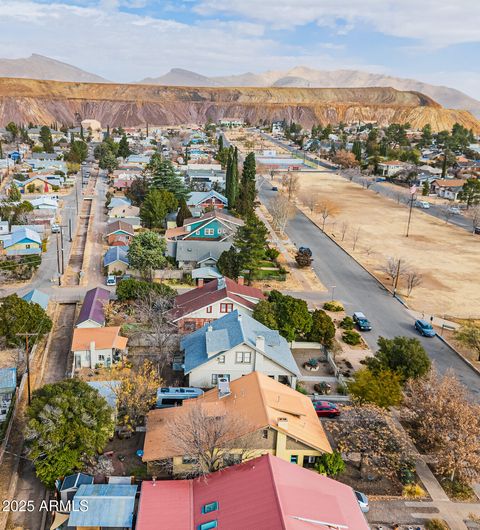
(37, 297)
(119, 226)
(449, 183)
(75, 481)
(255, 396)
(206, 273)
(265, 492)
(8, 379)
(109, 505)
(214, 214)
(20, 235)
(197, 197)
(232, 330)
(212, 292)
(104, 338)
(93, 307)
(107, 390)
(118, 201)
(197, 251)
(113, 254)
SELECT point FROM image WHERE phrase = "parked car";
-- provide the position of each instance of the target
(274, 188)
(425, 205)
(477, 230)
(55, 228)
(361, 321)
(455, 210)
(362, 501)
(425, 328)
(111, 280)
(326, 409)
(305, 250)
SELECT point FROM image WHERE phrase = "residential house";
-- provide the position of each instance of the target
(122, 211)
(212, 226)
(213, 300)
(115, 260)
(204, 275)
(200, 200)
(231, 122)
(37, 297)
(92, 314)
(390, 168)
(118, 201)
(275, 418)
(447, 188)
(233, 346)
(121, 184)
(35, 184)
(109, 506)
(265, 493)
(4, 228)
(44, 203)
(22, 242)
(119, 233)
(70, 485)
(97, 346)
(206, 177)
(8, 386)
(190, 254)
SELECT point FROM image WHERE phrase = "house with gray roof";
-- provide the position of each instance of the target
(190, 254)
(37, 297)
(116, 260)
(109, 506)
(70, 485)
(233, 346)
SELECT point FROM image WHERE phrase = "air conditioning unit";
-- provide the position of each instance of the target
(223, 387)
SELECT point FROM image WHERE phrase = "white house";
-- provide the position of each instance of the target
(391, 167)
(93, 347)
(233, 346)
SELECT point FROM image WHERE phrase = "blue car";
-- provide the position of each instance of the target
(424, 328)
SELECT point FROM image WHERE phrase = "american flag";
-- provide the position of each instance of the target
(413, 189)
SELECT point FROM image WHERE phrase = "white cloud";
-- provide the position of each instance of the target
(436, 23)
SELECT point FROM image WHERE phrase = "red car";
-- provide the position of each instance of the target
(326, 409)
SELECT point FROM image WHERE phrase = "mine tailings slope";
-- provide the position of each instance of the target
(29, 100)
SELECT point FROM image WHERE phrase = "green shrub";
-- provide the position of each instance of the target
(342, 389)
(351, 337)
(347, 323)
(300, 388)
(436, 524)
(333, 306)
(330, 464)
(272, 253)
(457, 490)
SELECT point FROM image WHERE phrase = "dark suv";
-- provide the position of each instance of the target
(361, 321)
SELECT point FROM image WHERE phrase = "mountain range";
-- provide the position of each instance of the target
(44, 68)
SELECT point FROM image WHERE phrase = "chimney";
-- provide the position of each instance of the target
(241, 280)
(210, 328)
(260, 342)
(282, 423)
(200, 282)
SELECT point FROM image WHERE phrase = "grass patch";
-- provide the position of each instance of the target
(457, 491)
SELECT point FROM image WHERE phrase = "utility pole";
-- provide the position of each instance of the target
(27, 355)
(70, 229)
(397, 276)
(61, 240)
(58, 261)
(413, 191)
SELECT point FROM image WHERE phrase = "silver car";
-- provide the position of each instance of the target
(362, 501)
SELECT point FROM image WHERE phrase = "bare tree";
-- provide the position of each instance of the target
(291, 184)
(209, 440)
(281, 210)
(398, 196)
(369, 251)
(327, 208)
(356, 236)
(446, 213)
(344, 229)
(391, 268)
(413, 279)
(155, 327)
(310, 200)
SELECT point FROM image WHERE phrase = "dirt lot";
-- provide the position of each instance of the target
(446, 256)
(247, 141)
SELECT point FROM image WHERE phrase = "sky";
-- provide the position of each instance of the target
(436, 41)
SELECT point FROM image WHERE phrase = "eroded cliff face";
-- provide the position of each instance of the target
(26, 100)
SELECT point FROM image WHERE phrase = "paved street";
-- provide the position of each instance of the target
(361, 292)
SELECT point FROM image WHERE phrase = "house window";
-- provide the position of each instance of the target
(207, 526)
(209, 309)
(27, 246)
(265, 433)
(226, 308)
(221, 359)
(210, 507)
(209, 231)
(294, 459)
(187, 460)
(101, 357)
(216, 376)
(243, 357)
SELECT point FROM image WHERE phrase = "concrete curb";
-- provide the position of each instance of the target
(465, 360)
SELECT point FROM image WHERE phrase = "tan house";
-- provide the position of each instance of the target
(281, 422)
(93, 347)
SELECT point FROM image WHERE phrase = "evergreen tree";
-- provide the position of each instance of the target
(46, 139)
(1, 150)
(123, 148)
(220, 142)
(357, 150)
(14, 194)
(183, 212)
(156, 206)
(251, 243)
(164, 177)
(246, 196)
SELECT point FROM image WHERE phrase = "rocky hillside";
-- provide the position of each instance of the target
(27, 100)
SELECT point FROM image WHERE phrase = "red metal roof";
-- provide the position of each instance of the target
(210, 293)
(264, 493)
